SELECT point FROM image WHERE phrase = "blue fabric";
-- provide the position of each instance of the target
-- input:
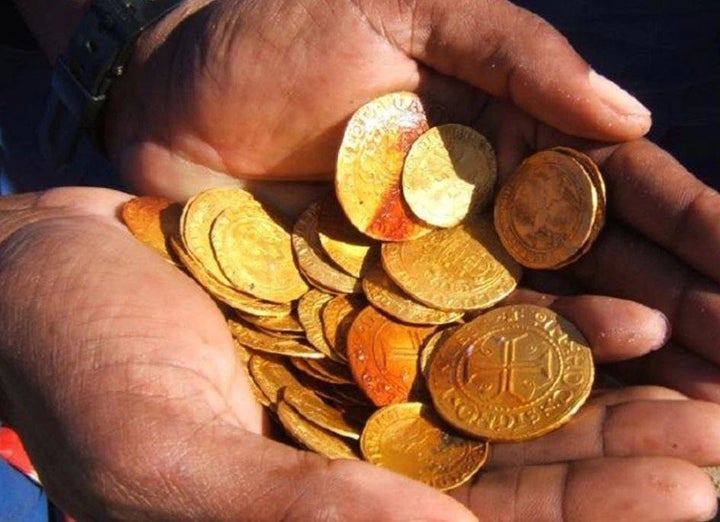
(21, 500)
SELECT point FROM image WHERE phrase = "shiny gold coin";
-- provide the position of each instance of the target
(153, 220)
(384, 294)
(449, 173)
(227, 294)
(460, 268)
(196, 221)
(411, 440)
(593, 172)
(431, 344)
(271, 374)
(313, 436)
(284, 323)
(370, 162)
(309, 310)
(313, 261)
(325, 370)
(244, 355)
(317, 411)
(512, 374)
(383, 356)
(545, 211)
(337, 316)
(246, 335)
(252, 248)
(352, 251)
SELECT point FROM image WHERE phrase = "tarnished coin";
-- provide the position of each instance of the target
(459, 268)
(410, 439)
(342, 242)
(545, 211)
(153, 220)
(313, 408)
(384, 294)
(514, 373)
(313, 261)
(252, 248)
(383, 356)
(227, 294)
(313, 436)
(370, 162)
(309, 310)
(246, 335)
(449, 173)
(337, 316)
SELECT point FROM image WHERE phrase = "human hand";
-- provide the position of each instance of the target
(262, 90)
(119, 373)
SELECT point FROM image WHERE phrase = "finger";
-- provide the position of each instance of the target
(674, 428)
(655, 195)
(615, 329)
(647, 489)
(511, 53)
(626, 265)
(609, 397)
(674, 367)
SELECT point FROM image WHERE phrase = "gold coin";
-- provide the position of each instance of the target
(449, 173)
(384, 294)
(544, 213)
(383, 356)
(271, 375)
(512, 374)
(593, 172)
(343, 243)
(153, 220)
(252, 248)
(263, 342)
(337, 316)
(325, 370)
(411, 440)
(313, 261)
(243, 354)
(313, 436)
(284, 323)
(309, 310)
(369, 166)
(317, 411)
(196, 221)
(460, 268)
(431, 344)
(227, 294)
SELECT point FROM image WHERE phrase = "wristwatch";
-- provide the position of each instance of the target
(96, 55)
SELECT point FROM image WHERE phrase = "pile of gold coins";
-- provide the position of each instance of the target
(370, 326)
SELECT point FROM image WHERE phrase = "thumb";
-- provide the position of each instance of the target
(512, 53)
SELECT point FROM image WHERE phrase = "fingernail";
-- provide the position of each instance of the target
(616, 97)
(668, 330)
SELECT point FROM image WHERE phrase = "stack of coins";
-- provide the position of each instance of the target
(370, 327)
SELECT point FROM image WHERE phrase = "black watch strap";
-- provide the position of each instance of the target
(96, 55)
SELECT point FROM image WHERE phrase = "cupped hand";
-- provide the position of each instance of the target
(120, 375)
(256, 90)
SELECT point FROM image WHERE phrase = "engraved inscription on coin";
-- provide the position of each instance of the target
(449, 172)
(410, 439)
(514, 373)
(370, 163)
(460, 268)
